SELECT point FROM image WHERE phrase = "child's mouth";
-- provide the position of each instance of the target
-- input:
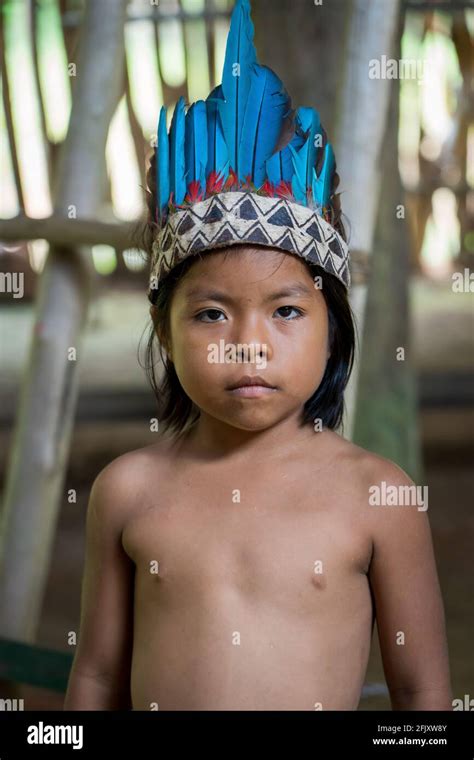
(252, 391)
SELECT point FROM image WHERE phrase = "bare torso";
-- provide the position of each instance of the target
(251, 589)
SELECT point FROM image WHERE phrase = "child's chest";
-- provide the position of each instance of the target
(263, 535)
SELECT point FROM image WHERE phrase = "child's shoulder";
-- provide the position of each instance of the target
(364, 466)
(125, 478)
(371, 479)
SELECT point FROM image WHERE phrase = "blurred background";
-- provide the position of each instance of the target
(82, 83)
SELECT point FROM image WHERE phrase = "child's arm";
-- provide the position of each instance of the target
(409, 607)
(100, 675)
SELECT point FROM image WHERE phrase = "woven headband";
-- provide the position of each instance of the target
(243, 167)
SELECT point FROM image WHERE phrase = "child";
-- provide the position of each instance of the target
(239, 562)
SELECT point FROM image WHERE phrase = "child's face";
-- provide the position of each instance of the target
(225, 306)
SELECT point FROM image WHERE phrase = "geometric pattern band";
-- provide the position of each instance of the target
(238, 216)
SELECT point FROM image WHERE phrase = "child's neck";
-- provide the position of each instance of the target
(211, 439)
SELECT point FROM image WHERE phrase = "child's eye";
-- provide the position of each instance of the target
(208, 311)
(213, 312)
(292, 308)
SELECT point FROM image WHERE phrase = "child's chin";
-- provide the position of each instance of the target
(251, 420)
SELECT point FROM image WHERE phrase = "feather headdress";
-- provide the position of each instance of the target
(244, 167)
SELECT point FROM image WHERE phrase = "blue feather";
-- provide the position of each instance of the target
(196, 144)
(218, 152)
(240, 56)
(238, 127)
(162, 164)
(322, 184)
(274, 167)
(267, 105)
(177, 160)
(305, 158)
(280, 165)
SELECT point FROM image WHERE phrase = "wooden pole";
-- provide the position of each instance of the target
(387, 417)
(39, 453)
(9, 117)
(363, 109)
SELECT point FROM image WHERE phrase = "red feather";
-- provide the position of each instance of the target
(171, 203)
(214, 183)
(267, 188)
(284, 190)
(232, 182)
(195, 193)
(248, 184)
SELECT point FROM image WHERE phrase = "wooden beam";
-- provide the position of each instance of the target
(428, 6)
(58, 230)
(72, 19)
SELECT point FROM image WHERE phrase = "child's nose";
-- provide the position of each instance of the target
(253, 332)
